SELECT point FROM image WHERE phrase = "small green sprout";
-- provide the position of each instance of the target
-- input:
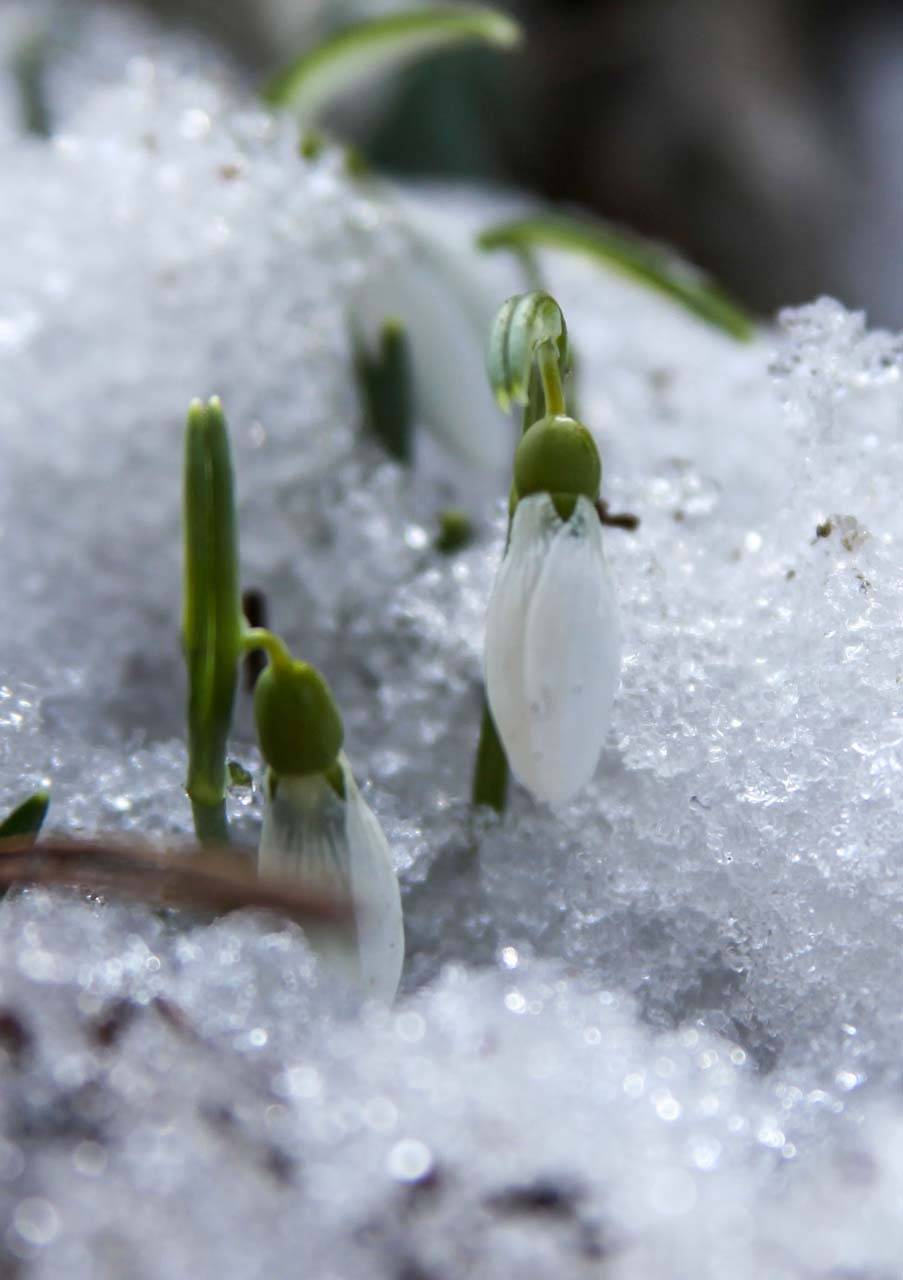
(455, 531)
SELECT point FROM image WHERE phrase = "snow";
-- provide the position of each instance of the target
(656, 1034)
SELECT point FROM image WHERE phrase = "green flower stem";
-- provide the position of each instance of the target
(550, 372)
(211, 826)
(535, 406)
(275, 649)
(212, 620)
(491, 771)
(27, 818)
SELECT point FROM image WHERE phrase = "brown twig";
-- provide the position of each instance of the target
(217, 880)
(624, 520)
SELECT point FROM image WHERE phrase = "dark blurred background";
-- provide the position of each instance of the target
(763, 138)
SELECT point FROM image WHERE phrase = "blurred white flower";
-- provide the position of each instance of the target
(338, 846)
(553, 647)
(444, 294)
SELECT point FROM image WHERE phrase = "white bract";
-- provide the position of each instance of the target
(553, 647)
(338, 846)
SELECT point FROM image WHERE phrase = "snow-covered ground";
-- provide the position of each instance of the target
(657, 1034)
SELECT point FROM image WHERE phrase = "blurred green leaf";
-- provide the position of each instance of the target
(29, 69)
(649, 264)
(312, 81)
(386, 390)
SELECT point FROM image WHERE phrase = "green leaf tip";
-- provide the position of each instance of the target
(522, 326)
(641, 260)
(27, 818)
(385, 381)
(356, 53)
(491, 775)
(212, 622)
(29, 67)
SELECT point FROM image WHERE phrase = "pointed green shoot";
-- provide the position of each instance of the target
(212, 621)
(27, 818)
(385, 381)
(362, 51)
(491, 771)
(524, 325)
(650, 264)
(29, 70)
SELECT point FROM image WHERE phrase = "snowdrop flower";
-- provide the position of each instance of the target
(317, 825)
(552, 654)
(552, 647)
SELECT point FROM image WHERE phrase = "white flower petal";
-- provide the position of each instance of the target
(338, 846)
(374, 889)
(303, 833)
(531, 534)
(553, 648)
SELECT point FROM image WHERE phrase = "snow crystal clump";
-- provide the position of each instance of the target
(657, 1034)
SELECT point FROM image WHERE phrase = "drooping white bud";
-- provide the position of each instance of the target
(553, 647)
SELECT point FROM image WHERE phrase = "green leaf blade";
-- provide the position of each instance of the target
(369, 48)
(212, 622)
(386, 386)
(491, 770)
(647, 263)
